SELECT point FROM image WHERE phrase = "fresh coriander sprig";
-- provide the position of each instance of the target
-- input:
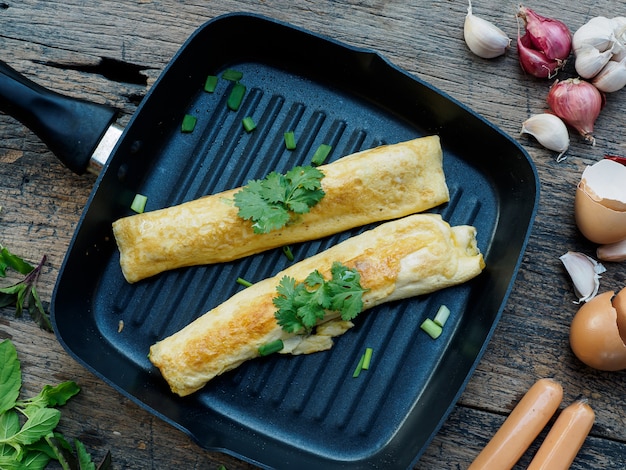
(273, 202)
(28, 439)
(301, 305)
(23, 294)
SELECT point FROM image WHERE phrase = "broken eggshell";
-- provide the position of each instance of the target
(600, 202)
(598, 332)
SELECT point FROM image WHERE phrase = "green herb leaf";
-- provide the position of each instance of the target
(302, 305)
(275, 201)
(24, 295)
(49, 396)
(10, 376)
(40, 423)
(32, 445)
(9, 260)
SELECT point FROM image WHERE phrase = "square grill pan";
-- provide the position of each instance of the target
(304, 412)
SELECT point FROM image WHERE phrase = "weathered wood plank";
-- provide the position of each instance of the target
(69, 45)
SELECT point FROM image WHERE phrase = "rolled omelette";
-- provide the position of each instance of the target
(374, 185)
(403, 258)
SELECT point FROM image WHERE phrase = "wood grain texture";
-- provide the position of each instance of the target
(112, 52)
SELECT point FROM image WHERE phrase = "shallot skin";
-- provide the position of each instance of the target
(546, 45)
(548, 35)
(578, 103)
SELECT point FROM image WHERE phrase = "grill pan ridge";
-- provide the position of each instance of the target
(305, 411)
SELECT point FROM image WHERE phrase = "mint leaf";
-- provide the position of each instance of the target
(40, 423)
(49, 396)
(9, 260)
(24, 296)
(30, 461)
(275, 201)
(10, 376)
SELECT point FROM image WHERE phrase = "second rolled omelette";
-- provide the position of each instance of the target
(403, 258)
(382, 183)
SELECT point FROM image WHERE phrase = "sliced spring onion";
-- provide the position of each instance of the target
(248, 124)
(359, 367)
(321, 154)
(243, 282)
(441, 317)
(367, 358)
(210, 84)
(430, 327)
(189, 123)
(288, 253)
(232, 75)
(236, 96)
(290, 140)
(139, 203)
(271, 348)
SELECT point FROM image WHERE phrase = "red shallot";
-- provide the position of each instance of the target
(545, 47)
(578, 103)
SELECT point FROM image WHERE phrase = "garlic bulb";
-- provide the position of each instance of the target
(612, 77)
(483, 38)
(550, 131)
(585, 274)
(600, 47)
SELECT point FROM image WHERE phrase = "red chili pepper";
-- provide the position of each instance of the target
(616, 158)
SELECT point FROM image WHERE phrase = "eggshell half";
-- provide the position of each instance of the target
(600, 203)
(597, 222)
(594, 335)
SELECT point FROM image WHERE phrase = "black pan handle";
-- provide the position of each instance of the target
(71, 128)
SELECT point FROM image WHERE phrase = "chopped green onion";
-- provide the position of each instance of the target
(271, 348)
(367, 358)
(359, 367)
(232, 75)
(290, 140)
(288, 253)
(189, 123)
(442, 316)
(430, 327)
(236, 96)
(139, 203)
(321, 154)
(210, 84)
(243, 282)
(248, 124)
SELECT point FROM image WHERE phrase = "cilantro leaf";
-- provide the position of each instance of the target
(276, 200)
(302, 305)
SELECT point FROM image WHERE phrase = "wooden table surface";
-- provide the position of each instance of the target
(111, 52)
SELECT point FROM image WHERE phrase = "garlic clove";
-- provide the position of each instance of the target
(484, 38)
(597, 32)
(612, 77)
(585, 274)
(589, 61)
(614, 252)
(550, 131)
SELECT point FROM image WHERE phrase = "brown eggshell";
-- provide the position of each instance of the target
(594, 335)
(597, 222)
(619, 303)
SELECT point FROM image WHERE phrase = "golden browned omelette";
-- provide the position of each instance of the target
(379, 184)
(403, 258)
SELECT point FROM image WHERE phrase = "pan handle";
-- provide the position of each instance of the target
(70, 127)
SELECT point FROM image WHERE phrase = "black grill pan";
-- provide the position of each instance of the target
(293, 412)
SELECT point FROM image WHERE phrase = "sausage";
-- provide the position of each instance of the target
(521, 427)
(561, 445)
